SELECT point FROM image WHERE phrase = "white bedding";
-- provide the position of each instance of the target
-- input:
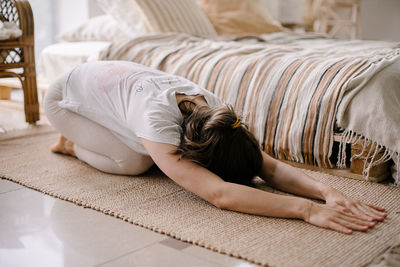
(60, 57)
(371, 109)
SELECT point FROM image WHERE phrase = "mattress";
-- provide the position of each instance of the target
(60, 57)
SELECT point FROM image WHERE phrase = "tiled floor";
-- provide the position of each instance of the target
(39, 230)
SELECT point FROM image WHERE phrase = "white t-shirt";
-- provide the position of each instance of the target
(130, 100)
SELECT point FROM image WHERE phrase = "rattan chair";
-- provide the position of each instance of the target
(334, 17)
(17, 56)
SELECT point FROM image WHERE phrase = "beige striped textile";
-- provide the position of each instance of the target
(183, 16)
(286, 86)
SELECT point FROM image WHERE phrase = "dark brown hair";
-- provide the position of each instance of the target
(209, 139)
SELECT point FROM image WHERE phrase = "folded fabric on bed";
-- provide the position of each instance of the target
(287, 86)
(373, 113)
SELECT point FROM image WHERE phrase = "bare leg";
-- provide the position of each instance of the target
(64, 146)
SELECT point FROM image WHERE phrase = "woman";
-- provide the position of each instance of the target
(121, 118)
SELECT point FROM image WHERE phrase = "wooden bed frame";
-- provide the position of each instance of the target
(354, 168)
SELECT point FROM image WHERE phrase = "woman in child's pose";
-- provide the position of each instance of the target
(121, 118)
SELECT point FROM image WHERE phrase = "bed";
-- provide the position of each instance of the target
(297, 92)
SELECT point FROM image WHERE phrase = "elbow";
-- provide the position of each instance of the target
(220, 203)
(221, 200)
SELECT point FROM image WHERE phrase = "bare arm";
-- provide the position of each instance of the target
(221, 194)
(292, 180)
(225, 195)
(289, 179)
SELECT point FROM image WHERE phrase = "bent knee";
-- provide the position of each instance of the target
(54, 94)
(136, 166)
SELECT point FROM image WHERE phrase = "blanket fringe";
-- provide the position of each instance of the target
(368, 154)
(396, 168)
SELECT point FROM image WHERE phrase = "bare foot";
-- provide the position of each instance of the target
(64, 146)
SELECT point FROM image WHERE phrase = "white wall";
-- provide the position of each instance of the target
(54, 16)
(70, 13)
(273, 7)
(380, 19)
(286, 11)
(291, 11)
(43, 19)
(94, 9)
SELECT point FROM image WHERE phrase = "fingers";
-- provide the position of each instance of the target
(358, 217)
(354, 223)
(376, 207)
(354, 210)
(361, 214)
(371, 212)
(365, 211)
(346, 224)
(340, 228)
(353, 226)
(380, 211)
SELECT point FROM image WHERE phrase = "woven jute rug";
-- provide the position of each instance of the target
(155, 202)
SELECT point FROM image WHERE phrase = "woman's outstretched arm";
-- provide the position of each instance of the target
(225, 195)
(289, 179)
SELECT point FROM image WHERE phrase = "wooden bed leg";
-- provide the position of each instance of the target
(379, 172)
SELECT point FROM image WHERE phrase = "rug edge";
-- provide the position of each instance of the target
(131, 221)
(27, 132)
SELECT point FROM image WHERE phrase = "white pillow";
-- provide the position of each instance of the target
(176, 16)
(143, 16)
(126, 13)
(9, 30)
(100, 28)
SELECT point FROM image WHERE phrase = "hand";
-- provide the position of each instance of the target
(335, 219)
(338, 200)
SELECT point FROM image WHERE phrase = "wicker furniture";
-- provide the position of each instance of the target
(17, 57)
(336, 17)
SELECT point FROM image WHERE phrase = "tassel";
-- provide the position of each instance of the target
(396, 168)
(371, 149)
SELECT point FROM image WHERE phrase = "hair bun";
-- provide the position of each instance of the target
(207, 138)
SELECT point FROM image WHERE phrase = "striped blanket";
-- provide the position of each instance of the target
(287, 87)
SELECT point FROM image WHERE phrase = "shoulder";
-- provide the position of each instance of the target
(158, 118)
(212, 99)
